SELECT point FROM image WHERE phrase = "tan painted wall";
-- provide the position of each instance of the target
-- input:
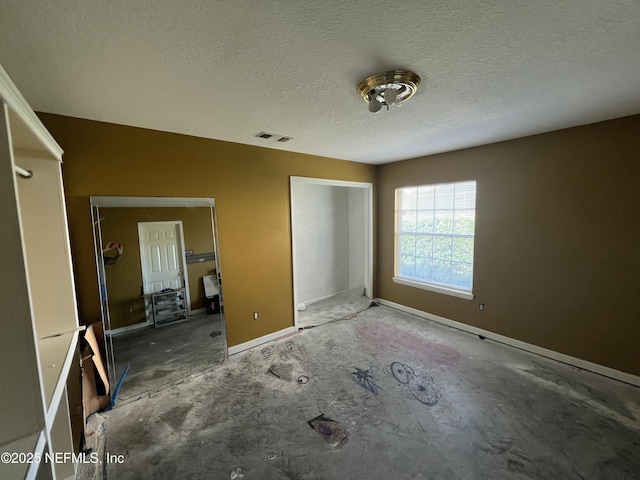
(124, 279)
(557, 255)
(558, 230)
(251, 189)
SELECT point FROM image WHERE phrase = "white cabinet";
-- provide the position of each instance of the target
(38, 315)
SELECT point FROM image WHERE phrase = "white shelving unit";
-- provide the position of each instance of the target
(169, 307)
(38, 315)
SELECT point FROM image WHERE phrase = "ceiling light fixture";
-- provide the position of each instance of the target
(388, 88)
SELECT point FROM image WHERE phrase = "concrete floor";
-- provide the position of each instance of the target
(159, 356)
(334, 308)
(414, 399)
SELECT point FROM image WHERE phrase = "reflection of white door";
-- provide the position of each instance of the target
(162, 256)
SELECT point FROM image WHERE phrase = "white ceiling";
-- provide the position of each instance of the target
(229, 69)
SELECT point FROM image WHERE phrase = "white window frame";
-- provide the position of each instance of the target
(447, 289)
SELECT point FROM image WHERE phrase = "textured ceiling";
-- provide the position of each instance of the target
(229, 69)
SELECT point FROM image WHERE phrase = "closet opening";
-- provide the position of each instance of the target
(332, 243)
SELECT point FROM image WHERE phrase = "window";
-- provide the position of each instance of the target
(435, 228)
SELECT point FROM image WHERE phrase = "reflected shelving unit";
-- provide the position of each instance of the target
(169, 306)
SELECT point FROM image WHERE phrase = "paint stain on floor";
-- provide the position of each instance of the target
(384, 337)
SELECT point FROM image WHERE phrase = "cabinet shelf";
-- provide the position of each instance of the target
(56, 355)
(27, 445)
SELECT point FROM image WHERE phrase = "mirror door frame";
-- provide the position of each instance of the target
(97, 202)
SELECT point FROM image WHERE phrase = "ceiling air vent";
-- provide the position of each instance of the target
(274, 137)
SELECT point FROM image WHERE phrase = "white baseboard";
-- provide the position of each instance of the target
(560, 357)
(260, 341)
(319, 299)
(128, 328)
(331, 295)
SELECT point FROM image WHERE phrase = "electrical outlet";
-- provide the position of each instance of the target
(482, 307)
(255, 315)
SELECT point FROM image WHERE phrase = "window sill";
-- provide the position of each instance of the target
(434, 288)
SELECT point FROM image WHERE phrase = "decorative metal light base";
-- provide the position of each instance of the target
(388, 88)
